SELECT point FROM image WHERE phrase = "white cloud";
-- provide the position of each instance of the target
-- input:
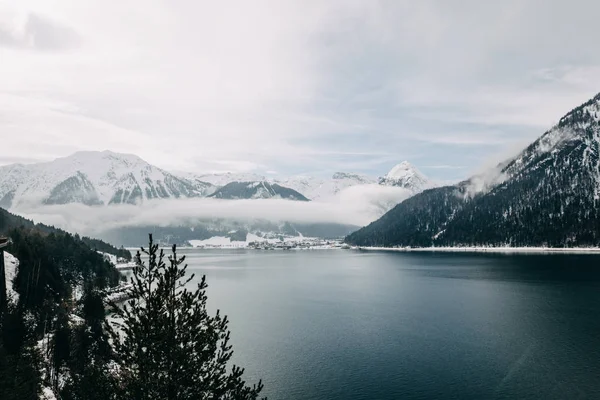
(280, 85)
(357, 205)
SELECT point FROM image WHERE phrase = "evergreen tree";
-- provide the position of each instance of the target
(167, 345)
(60, 347)
(19, 359)
(89, 365)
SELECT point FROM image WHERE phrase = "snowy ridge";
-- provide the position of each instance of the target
(579, 129)
(104, 178)
(322, 189)
(403, 175)
(222, 179)
(547, 196)
(256, 190)
(406, 176)
(92, 178)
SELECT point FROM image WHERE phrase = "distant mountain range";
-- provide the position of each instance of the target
(256, 190)
(406, 176)
(107, 178)
(93, 178)
(548, 195)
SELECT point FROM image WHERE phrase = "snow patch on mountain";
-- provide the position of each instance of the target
(406, 176)
(323, 189)
(93, 178)
(85, 183)
(545, 196)
(256, 190)
(222, 179)
(10, 272)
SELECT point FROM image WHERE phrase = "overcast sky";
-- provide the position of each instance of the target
(292, 86)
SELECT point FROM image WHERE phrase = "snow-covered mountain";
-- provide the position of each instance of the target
(322, 189)
(403, 175)
(222, 179)
(547, 195)
(406, 176)
(93, 178)
(256, 190)
(105, 178)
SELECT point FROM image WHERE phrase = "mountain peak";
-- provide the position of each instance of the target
(588, 112)
(407, 176)
(401, 170)
(547, 196)
(94, 178)
(88, 155)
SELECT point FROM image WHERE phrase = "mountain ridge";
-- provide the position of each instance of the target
(256, 190)
(105, 178)
(406, 176)
(547, 195)
(93, 178)
(10, 221)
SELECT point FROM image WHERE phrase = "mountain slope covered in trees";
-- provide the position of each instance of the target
(54, 336)
(10, 221)
(548, 195)
(256, 190)
(36, 340)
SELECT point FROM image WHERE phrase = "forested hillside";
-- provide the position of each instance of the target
(548, 195)
(57, 274)
(56, 341)
(9, 221)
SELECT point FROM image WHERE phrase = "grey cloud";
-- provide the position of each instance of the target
(281, 85)
(357, 205)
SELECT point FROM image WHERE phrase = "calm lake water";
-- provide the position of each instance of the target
(334, 324)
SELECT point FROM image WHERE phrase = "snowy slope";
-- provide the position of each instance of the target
(403, 175)
(548, 195)
(406, 176)
(10, 272)
(323, 189)
(104, 178)
(222, 179)
(93, 178)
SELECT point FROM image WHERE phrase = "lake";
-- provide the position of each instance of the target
(349, 325)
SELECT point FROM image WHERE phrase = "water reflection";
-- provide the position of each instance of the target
(345, 325)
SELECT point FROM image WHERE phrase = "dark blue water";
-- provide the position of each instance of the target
(349, 325)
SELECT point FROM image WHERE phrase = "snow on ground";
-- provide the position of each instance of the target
(225, 242)
(111, 258)
(47, 394)
(10, 271)
(529, 250)
(251, 237)
(218, 241)
(119, 293)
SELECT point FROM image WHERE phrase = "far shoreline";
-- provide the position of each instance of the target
(475, 249)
